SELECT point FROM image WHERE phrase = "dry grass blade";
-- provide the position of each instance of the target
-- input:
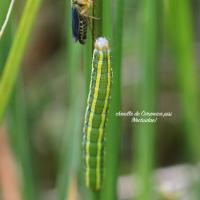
(9, 184)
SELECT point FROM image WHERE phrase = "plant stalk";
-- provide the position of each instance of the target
(16, 54)
(97, 24)
(96, 195)
(144, 141)
(182, 40)
(18, 135)
(113, 30)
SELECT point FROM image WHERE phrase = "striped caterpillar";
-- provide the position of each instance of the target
(96, 115)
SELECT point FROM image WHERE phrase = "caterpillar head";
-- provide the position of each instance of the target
(102, 44)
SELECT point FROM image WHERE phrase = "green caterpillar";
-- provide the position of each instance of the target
(96, 115)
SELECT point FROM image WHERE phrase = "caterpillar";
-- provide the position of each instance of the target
(80, 19)
(98, 102)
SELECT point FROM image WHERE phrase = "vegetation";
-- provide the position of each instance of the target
(154, 48)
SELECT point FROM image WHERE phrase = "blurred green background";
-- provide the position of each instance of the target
(160, 48)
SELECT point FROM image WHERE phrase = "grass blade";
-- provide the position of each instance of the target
(16, 54)
(88, 62)
(97, 24)
(71, 139)
(144, 140)
(71, 145)
(113, 129)
(182, 44)
(18, 135)
(71, 149)
(182, 39)
(17, 122)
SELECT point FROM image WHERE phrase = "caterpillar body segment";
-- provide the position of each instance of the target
(96, 115)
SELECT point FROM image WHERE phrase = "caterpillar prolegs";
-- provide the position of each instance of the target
(96, 115)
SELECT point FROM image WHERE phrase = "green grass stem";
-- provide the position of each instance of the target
(88, 63)
(14, 60)
(71, 151)
(181, 37)
(182, 43)
(71, 143)
(71, 146)
(96, 33)
(18, 133)
(97, 24)
(113, 130)
(17, 118)
(144, 141)
(107, 20)
(96, 195)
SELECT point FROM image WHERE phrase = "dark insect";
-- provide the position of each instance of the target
(80, 20)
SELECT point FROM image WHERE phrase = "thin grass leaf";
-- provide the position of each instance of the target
(107, 21)
(144, 141)
(18, 135)
(97, 24)
(71, 145)
(182, 43)
(71, 139)
(69, 161)
(17, 123)
(88, 62)
(113, 129)
(16, 54)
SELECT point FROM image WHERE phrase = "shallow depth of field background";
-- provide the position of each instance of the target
(44, 90)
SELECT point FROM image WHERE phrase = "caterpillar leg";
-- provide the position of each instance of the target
(85, 12)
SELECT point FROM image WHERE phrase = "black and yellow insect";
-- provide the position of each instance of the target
(96, 115)
(80, 19)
